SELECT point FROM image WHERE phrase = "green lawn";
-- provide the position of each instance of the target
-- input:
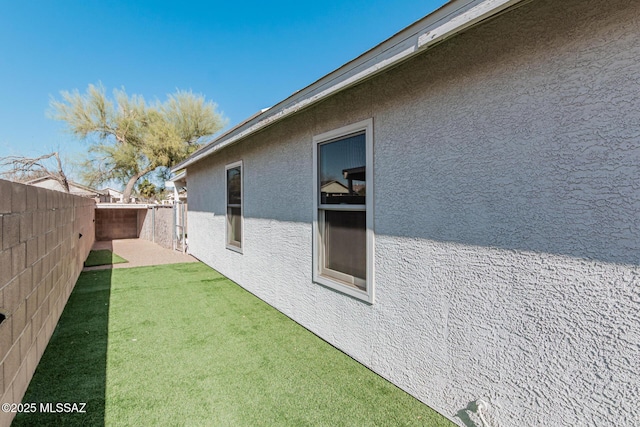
(103, 257)
(183, 345)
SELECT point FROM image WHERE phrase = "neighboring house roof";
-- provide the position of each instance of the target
(111, 192)
(39, 180)
(334, 187)
(446, 22)
(51, 183)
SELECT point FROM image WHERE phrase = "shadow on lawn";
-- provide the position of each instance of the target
(73, 366)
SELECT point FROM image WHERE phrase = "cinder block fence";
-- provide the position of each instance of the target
(45, 237)
(154, 223)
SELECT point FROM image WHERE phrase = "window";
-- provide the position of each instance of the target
(234, 206)
(343, 210)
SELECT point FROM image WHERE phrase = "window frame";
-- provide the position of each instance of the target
(228, 244)
(339, 280)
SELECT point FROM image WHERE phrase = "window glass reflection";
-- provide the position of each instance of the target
(234, 206)
(342, 170)
(233, 186)
(345, 242)
(234, 226)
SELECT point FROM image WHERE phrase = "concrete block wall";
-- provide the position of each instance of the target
(45, 237)
(153, 223)
(162, 232)
(119, 223)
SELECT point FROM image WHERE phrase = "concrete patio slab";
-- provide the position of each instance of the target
(139, 252)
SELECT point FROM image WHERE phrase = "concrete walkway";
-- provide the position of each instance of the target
(139, 252)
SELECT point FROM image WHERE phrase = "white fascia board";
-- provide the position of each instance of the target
(463, 21)
(451, 19)
(179, 176)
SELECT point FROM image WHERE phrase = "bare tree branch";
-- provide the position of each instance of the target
(20, 168)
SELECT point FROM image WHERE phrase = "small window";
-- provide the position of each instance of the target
(343, 210)
(234, 206)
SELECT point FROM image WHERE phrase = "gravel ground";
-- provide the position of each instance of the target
(139, 253)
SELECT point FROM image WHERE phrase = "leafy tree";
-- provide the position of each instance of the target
(23, 169)
(130, 138)
(147, 189)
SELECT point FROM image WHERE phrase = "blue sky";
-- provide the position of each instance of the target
(244, 56)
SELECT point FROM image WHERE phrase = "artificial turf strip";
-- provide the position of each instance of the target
(186, 346)
(103, 257)
(72, 368)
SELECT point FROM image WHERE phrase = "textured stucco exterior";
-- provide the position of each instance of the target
(507, 193)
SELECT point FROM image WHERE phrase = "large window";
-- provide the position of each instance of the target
(343, 213)
(234, 206)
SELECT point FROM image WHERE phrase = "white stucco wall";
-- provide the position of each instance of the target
(507, 200)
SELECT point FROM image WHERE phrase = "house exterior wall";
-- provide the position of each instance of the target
(45, 237)
(506, 198)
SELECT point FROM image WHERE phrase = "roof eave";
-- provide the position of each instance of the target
(446, 22)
